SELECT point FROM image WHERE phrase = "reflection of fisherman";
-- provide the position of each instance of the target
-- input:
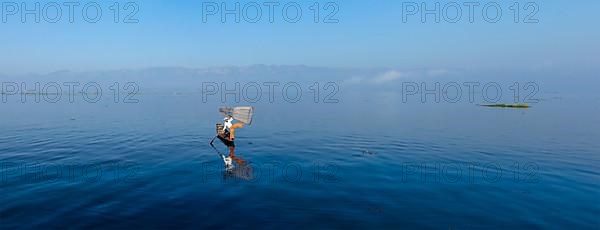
(237, 160)
(243, 171)
(229, 126)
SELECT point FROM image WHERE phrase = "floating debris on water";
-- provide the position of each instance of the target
(367, 152)
(376, 209)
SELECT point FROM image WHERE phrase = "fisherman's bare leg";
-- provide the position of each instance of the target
(232, 130)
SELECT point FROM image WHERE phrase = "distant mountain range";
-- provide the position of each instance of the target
(355, 79)
(180, 77)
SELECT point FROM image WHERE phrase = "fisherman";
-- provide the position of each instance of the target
(228, 125)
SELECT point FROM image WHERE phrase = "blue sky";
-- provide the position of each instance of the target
(369, 34)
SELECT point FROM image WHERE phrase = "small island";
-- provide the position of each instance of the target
(516, 106)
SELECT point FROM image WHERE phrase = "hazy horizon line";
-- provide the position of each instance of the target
(163, 67)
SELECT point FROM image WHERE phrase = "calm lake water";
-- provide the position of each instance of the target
(369, 161)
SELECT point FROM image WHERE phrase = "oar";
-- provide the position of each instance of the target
(213, 146)
(211, 141)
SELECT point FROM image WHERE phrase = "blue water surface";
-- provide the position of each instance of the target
(369, 161)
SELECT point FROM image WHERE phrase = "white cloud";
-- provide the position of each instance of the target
(377, 79)
(387, 77)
